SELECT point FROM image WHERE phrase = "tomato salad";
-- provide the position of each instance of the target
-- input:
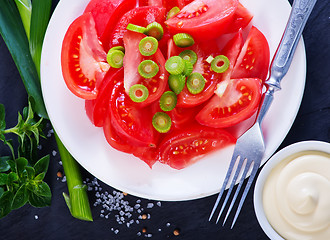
(161, 77)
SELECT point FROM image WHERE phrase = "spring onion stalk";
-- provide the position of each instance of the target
(15, 36)
(78, 201)
(25, 7)
(39, 21)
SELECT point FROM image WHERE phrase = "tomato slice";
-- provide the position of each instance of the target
(133, 124)
(181, 117)
(204, 19)
(141, 16)
(253, 60)
(133, 58)
(184, 147)
(120, 8)
(242, 17)
(96, 109)
(83, 59)
(238, 102)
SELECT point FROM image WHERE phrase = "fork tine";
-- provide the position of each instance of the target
(229, 171)
(246, 190)
(246, 170)
(233, 182)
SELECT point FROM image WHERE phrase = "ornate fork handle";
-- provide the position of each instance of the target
(301, 10)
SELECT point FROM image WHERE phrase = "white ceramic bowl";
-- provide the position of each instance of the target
(269, 166)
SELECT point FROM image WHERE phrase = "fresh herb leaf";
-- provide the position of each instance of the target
(42, 165)
(4, 166)
(20, 198)
(5, 203)
(2, 117)
(1, 191)
(21, 163)
(3, 179)
(40, 176)
(30, 172)
(25, 7)
(40, 196)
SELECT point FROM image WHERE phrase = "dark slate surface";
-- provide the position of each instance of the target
(190, 217)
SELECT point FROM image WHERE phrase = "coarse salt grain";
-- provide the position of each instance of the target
(36, 217)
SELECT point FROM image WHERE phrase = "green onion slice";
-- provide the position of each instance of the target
(209, 59)
(138, 93)
(188, 68)
(183, 40)
(189, 55)
(195, 83)
(120, 48)
(155, 30)
(172, 12)
(148, 46)
(176, 83)
(148, 69)
(168, 101)
(175, 65)
(161, 122)
(115, 58)
(220, 64)
(135, 28)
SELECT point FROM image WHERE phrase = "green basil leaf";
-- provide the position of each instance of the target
(5, 203)
(13, 34)
(20, 198)
(1, 191)
(21, 163)
(30, 172)
(2, 137)
(12, 165)
(42, 165)
(12, 177)
(4, 166)
(40, 176)
(2, 117)
(40, 196)
(3, 179)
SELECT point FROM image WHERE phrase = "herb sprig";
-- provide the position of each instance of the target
(22, 174)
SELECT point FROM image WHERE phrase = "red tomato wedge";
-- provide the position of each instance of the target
(83, 59)
(156, 85)
(181, 117)
(141, 16)
(183, 147)
(242, 17)
(97, 109)
(253, 60)
(231, 51)
(133, 124)
(204, 19)
(238, 102)
(121, 7)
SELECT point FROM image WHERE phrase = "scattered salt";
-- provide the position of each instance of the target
(36, 217)
(54, 153)
(150, 205)
(168, 224)
(64, 179)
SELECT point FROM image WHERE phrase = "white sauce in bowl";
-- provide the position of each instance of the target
(296, 196)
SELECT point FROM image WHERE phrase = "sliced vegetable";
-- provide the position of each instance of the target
(172, 12)
(115, 58)
(176, 83)
(220, 64)
(189, 55)
(188, 68)
(183, 40)
(136, 28)
(120, 48)
(138, 93)
(148, 69)
(161, 122)
(148, 46)
(168, 101)
(175, 65)
(155, 30)
(195, 83)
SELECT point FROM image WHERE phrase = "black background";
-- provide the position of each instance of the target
(190, 217)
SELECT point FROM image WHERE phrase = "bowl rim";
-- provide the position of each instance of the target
(310, 145)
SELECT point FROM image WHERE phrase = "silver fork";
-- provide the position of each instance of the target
(250, 147)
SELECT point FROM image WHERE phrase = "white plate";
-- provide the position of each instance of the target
(87, 143)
